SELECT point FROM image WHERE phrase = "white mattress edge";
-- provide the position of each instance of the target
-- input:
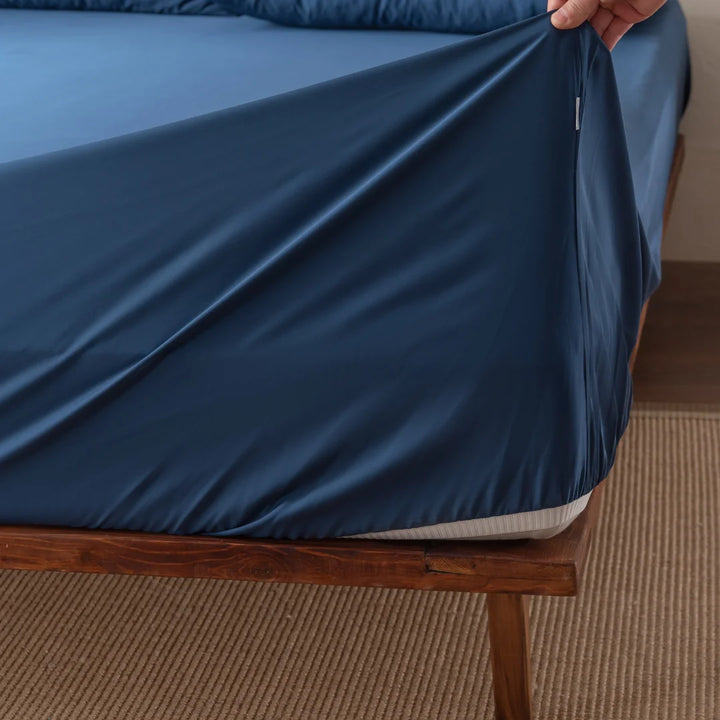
(535, 524)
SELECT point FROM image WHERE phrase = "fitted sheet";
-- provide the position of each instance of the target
(311, 288)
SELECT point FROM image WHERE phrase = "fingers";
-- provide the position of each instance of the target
(614, 31)
(601, 20)
(627, 10)
(574, 13)
(610, 25)
(554, 5)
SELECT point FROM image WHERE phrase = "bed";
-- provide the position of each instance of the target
(293, 295)
(327, 284)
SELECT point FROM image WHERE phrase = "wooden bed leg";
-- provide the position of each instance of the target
(508, 624)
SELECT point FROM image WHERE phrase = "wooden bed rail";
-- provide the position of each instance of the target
(533, 567)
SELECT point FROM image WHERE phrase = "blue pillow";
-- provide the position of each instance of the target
(460, 16)
(172, 7)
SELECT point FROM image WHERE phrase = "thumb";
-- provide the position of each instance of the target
(574, 13)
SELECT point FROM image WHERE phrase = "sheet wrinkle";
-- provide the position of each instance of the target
(138, 300)
(327, 441)
(384, 295)
(384, 174)
(581, 272)
(210, 489)
(436, 418)
(130, 496)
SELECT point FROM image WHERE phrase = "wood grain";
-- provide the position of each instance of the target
(540, 567)
(537, 567)
(641, 326)
(509, 629)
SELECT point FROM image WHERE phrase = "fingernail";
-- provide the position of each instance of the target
(559, 18)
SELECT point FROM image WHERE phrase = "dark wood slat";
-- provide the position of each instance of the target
(541, 567)
(337, 562)
(641, 327)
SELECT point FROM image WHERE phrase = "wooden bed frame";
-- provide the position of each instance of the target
(508, 571)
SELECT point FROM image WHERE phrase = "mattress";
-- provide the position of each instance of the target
(291, 283)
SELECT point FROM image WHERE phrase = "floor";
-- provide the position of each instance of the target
(679, 358)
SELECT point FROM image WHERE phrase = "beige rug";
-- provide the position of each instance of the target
(641, 641)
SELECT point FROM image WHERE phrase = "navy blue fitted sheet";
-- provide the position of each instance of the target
(302, 283)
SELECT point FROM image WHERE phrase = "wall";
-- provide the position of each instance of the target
(694, 232)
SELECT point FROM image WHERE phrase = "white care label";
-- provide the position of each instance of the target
(577, 113)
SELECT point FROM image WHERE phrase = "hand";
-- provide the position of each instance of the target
(610, 18)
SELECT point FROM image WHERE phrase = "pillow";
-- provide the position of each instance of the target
(460, 16)
(173, 7)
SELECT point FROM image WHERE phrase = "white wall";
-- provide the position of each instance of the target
(694, 232)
